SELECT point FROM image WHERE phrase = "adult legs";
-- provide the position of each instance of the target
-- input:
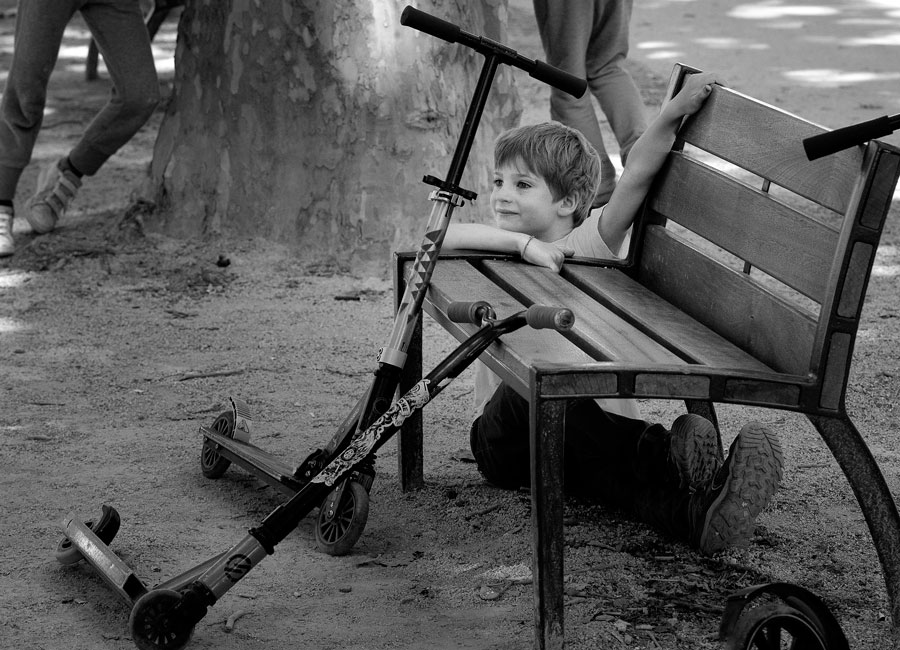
(39, 30)
(608, 80)
(121, 35)
(565, 29)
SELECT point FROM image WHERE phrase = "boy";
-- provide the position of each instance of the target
(544, 183)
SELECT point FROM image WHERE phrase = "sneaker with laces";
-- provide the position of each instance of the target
(7, 245)
(694, 451)
(723, 513)
(55, 190)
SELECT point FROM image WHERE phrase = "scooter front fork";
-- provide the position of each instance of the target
(364, 474)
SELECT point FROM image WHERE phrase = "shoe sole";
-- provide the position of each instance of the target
(755, 470)
(694, 450)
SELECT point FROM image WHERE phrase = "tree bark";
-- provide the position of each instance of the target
(312, 123)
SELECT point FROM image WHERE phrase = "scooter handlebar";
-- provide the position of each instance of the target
(412, 17)
(543, 317)
(831, 142)
(469, 312)
(417, 19)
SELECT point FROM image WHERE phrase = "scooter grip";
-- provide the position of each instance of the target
(831, 142)
(568, 83)
(412, 17)
(557, 318)
(469, 312)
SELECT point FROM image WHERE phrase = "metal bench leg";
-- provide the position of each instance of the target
(873, 495)
(409, 440)
(548, 546)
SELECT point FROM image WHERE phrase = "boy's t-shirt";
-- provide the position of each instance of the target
(585, 241)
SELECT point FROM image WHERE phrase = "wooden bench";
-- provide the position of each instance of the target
(744, 282)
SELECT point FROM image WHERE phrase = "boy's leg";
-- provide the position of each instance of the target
(722, 513)
(606, 454)
(121, 35)
(39, 30)
(674, 480)
(608, 80)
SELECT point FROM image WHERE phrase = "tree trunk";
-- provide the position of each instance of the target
(312, 123)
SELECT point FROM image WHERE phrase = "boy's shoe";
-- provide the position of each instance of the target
(723, 513)
(55, 190)
(7, 245)
(694, 451)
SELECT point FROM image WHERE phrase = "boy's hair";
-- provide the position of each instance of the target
(560, 155)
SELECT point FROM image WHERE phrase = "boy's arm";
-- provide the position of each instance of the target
(483, 237)
(647, 156)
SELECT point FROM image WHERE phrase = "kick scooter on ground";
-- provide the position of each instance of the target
(164, 617)
(343, 514)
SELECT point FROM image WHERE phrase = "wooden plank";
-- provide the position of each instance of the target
(768, 142)
(603, 334)
(728, 302)
(748, 223)
(457, 280)
(658, 318)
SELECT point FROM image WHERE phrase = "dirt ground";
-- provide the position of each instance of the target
(116, 343)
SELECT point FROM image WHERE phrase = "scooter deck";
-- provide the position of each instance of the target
(109, 565)
(256, 461)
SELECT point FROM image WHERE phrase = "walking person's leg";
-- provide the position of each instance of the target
(40, 25)
(566, 30)
(121, 36)
(608, 79)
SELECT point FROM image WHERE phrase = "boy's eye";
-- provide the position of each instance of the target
(498, 182)
(523, 184)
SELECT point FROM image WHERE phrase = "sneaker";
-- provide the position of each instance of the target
(7, 246)
(694, 451)
(55, 190)
(723, 514)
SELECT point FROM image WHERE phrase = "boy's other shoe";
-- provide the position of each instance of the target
(694, 451)
(723, 513)
(7, 246)
(55, 190)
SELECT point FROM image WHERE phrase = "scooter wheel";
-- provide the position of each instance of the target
(340, 534)
(211, 463)
(105, 528)
(775, 625)
(151, 624)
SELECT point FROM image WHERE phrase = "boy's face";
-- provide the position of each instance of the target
(522, 202)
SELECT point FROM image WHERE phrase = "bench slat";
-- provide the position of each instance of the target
(746, 222)
(458, 280)
(659, 318)
(603, 334)
(731, 303)
(767, 141)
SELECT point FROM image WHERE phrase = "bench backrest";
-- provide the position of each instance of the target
(766, 248)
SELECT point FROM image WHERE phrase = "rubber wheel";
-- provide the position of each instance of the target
(775, 626)
(151, 626)
(105, 528)
(338, 536)
(211, 463)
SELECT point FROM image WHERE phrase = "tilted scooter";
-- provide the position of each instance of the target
(338, 476)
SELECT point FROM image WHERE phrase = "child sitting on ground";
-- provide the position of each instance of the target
(545, 179)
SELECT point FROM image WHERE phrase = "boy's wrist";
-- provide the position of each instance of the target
(528, 239)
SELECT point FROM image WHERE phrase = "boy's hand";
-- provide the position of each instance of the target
(547, 255)
(693, 93)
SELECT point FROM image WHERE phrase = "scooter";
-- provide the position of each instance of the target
(339, 475)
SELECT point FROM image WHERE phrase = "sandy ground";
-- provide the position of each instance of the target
(116, 343)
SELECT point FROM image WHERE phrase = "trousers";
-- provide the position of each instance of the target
(618, 461)
(122, 38)
(589, 39)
